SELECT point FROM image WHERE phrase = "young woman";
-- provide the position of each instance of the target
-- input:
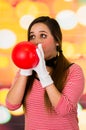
(49, 92)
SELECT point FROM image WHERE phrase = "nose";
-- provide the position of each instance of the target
(37, 41)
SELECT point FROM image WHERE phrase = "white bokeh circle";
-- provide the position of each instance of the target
(25, 21)
(7, 38)
(81, 15)
(67, 19)
(5, 116)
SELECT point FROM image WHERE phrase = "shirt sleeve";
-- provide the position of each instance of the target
(11, 106)
(72, 91)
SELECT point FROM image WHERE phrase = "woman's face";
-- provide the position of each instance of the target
(40, 34)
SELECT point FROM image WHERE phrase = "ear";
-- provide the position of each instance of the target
(57, 46)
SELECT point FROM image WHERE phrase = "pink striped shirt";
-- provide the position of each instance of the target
(64, 115)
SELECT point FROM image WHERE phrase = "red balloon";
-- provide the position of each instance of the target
(24, 55)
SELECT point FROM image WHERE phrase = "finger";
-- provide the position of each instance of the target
(38, 52)
(41, 49)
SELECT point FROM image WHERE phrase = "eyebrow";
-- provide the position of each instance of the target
(39, 31)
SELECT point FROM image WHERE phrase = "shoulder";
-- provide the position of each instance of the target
(75, 66)
(76, 70)
(76, 77)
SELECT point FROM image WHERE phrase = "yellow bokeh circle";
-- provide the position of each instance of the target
(4, 61)
(26, 7)
(32, 8)
(6, 11)
(3, 94)
(68, 49)
(18, 112)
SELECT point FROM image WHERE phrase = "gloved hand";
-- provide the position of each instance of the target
(41, 70)
(26, 72)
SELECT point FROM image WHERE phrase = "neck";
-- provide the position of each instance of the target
(51, 62)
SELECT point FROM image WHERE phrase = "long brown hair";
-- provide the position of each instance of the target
(60, 70)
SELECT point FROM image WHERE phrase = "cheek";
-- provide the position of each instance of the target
(48, 49)
(49, 41)
(48, 45)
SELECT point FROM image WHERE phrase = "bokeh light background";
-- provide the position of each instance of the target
(15, 17)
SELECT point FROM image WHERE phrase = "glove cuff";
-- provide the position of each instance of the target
(46, 81)
(26, 72)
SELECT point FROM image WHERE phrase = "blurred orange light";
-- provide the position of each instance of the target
(6, 12)
(13, 2)
(7, 74)
(64, 5)
(43, 9)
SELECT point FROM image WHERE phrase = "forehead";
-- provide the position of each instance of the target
(39, 27)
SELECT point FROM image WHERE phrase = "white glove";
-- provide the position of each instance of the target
(26, 72)
(41, 70)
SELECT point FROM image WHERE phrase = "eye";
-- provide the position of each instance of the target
(43, 36)
(32, 37)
